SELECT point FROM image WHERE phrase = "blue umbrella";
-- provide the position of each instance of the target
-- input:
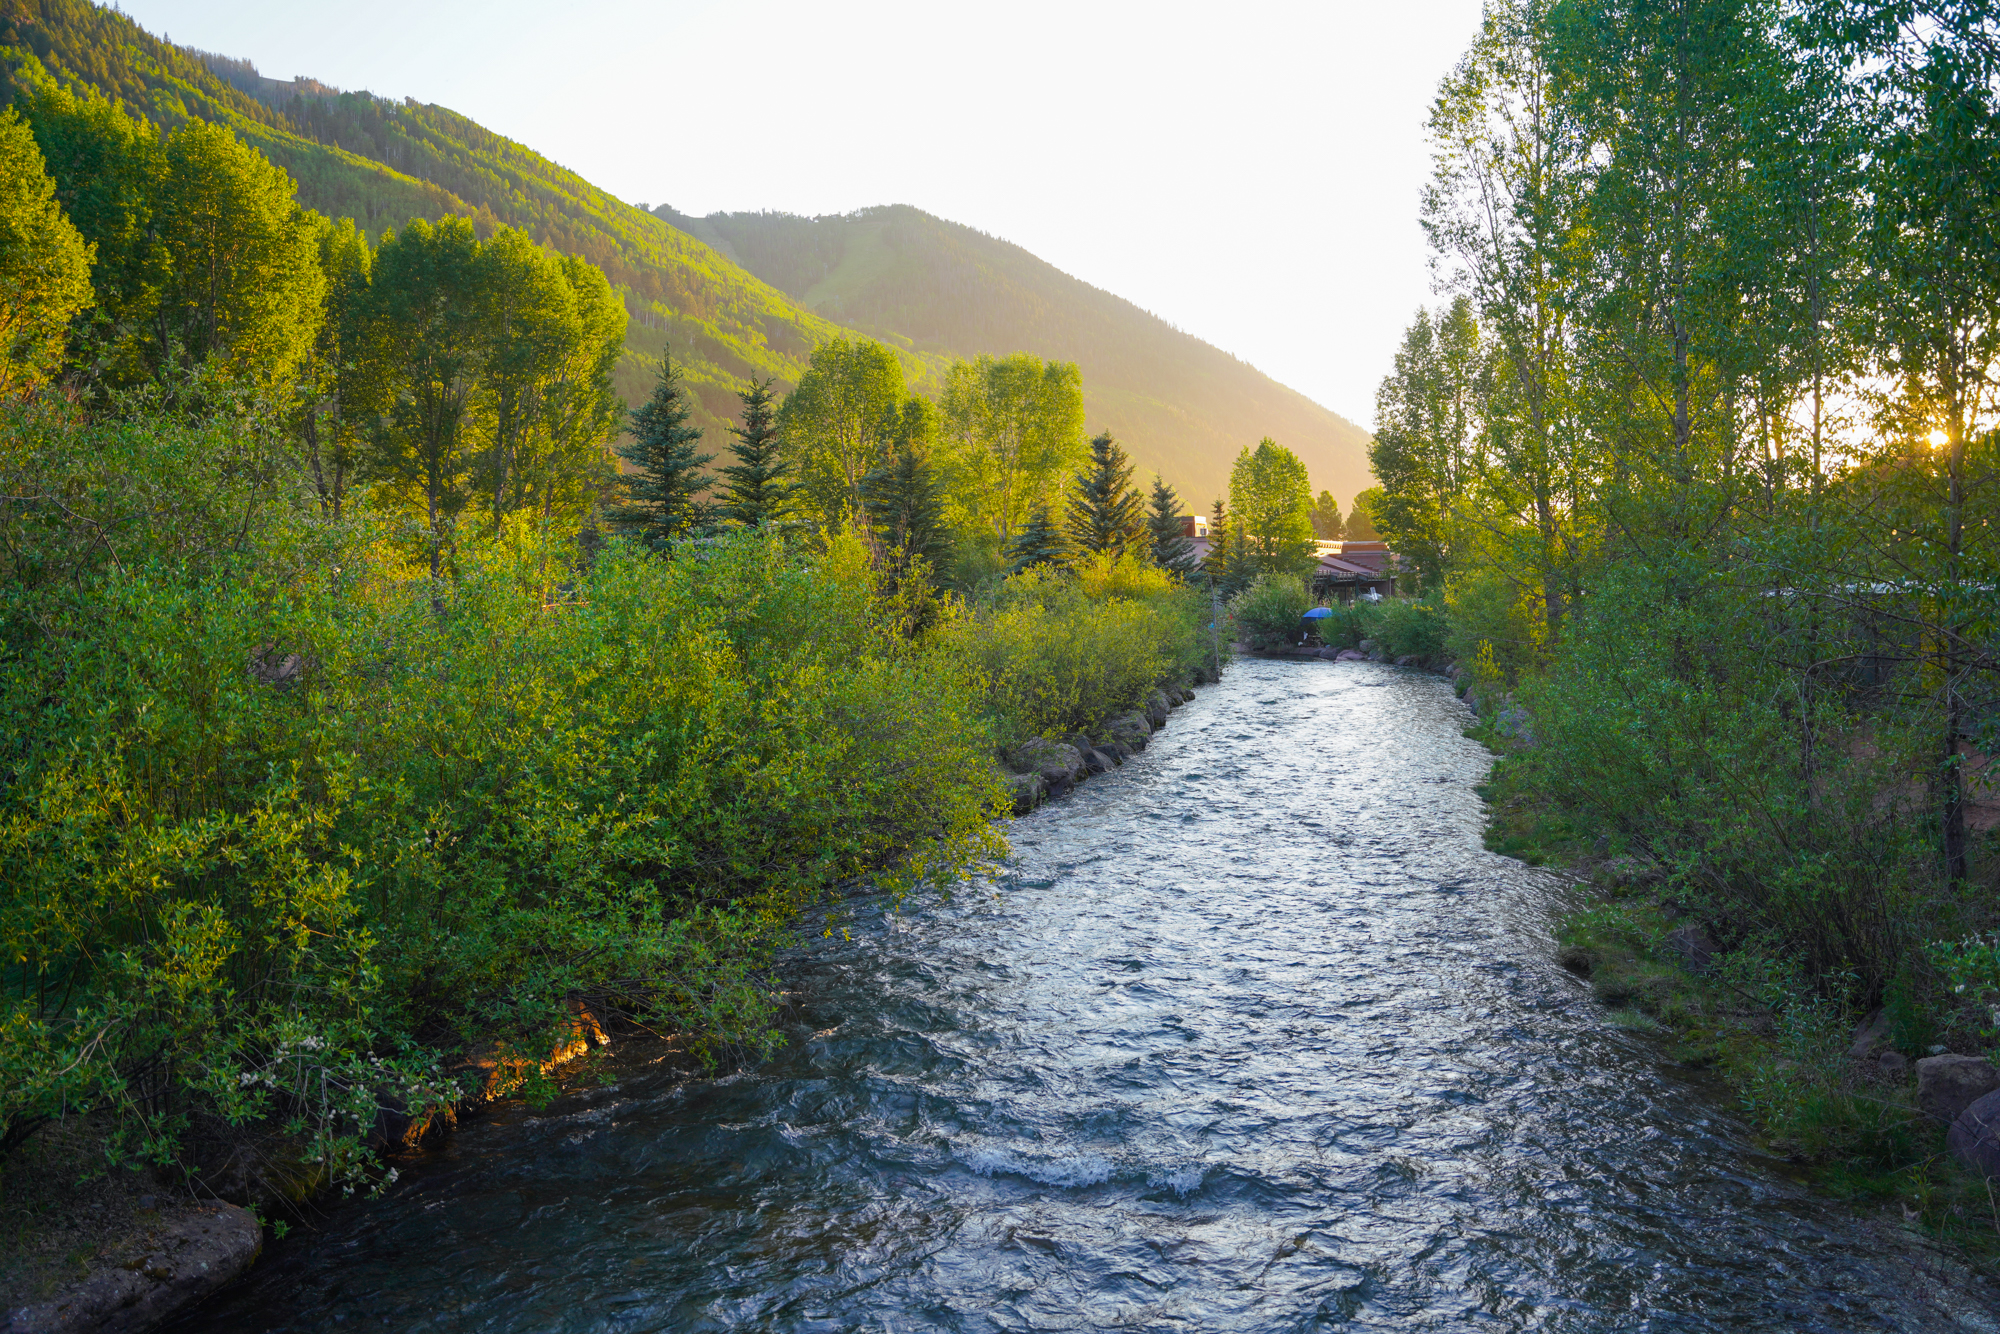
(1318, 613)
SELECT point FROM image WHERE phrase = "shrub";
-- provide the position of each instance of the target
(1269, 611)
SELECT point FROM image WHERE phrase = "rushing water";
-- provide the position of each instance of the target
(1255, 1036)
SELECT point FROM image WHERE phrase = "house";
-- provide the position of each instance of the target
(1346, 570)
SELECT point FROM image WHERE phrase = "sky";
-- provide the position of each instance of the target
(1249, 172)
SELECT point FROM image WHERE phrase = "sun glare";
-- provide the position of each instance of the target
(1939, 439)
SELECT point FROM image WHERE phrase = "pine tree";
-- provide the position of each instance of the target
(759, 490)
(1172, 551)
(1040, 542)
(1216, 563)
(664, 490)
(1106, 514)
(905, 504)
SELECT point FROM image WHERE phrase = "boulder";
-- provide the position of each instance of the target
(1097, 762)
(1869, 1034)
(1331, 654)
(1118, 750)
(1975, 1136)
(1350, 655)
(1026, 790)
(188, 1255)
(1892, 1064)
(1948, 1084)
(1157, 709)
(1367, 647)
(1057, 762)
(1407, 660)
(1131, 728)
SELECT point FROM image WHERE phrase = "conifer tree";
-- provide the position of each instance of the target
(663, 493)
(759, 487)
(1040, 542)
(1106, 515)
(1216, 563)
(905, 497)
(1171, 550)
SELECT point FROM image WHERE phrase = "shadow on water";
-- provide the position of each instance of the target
(1255, 1035)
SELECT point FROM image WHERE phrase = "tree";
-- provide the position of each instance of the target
(1217, 564)
(107, 166)
(663, 491)
(571, 469)
(1013, 434)
(905, 500)
(1040, 542)
(1272, 498)
(837, 426)
(44, 265)
(1428, 437)
(534, 329)
(339, 381)
(1361, 516)
(1170, 547)
(429, 328)
(1106, 514)
(759, 490)
(243, 286)
(1326, 517)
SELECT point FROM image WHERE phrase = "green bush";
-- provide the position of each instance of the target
(286, 823)
(1055, 652)
(1268, 613)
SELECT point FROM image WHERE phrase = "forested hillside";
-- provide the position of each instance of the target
(1183, 406)
(382, 163)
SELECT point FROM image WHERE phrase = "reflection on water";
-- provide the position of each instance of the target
(1255, 1036)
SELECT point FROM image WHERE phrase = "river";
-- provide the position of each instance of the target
(1254, 1035)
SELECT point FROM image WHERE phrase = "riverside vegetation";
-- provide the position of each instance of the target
(1697, 465)
(370, 721)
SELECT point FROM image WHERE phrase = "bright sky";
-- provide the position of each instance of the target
(1248, 171)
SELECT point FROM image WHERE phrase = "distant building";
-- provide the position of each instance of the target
(1346, 570)
(1194, 525)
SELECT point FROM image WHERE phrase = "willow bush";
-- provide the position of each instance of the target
(286, 823)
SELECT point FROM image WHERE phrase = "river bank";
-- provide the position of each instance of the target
(1252, 1031)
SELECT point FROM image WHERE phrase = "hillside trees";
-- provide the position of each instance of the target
(44, 265)
(1326, 517)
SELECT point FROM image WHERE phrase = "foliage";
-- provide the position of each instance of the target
(1269, 611)
(44, 265)
(1272, 500)
(298, 818)
(1057, 653)
(1106, 515)
(1327, 526)
(1012, 436)
(1170, 547)
(1041, 544)
(662, 495)
(759, 489)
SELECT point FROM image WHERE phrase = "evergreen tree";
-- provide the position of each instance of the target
(1040, 542)
(1106, 514)
(759, 491)
(905, 498)
(1172, 551)
(1326, 518)
(664, 502)
(1216, 563)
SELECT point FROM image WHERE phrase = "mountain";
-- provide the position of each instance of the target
(735, 295)
(1180, 405)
